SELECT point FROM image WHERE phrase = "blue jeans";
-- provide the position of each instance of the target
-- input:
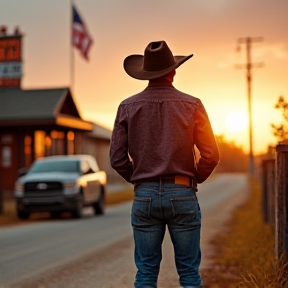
(154, 207)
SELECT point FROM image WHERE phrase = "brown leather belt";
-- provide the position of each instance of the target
(177, 179)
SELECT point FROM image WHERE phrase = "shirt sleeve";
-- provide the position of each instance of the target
(206, 144)
(119, 157)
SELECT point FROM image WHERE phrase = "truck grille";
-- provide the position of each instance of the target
(43, 186)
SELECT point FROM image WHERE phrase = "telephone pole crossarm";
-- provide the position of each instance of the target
(254, 65)
(250, 39)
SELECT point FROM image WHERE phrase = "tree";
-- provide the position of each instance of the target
(232, 157)
(280, 131)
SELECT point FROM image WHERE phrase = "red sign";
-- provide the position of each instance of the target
(10, 61)
(10, 48)
(9, 82)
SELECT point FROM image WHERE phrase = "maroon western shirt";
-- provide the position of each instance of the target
(155, 132)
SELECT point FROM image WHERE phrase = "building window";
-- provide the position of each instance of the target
(57, 142)
(27, 150)
(54, 136)
(70, 143)
(39, 144)
(60, 143)
(48, 144)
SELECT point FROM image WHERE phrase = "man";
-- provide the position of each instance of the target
(152, 147)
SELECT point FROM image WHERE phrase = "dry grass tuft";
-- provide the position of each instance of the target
(245, 256)
(8, 216)
(119, 197)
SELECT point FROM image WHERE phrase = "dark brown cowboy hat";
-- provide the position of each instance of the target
(157, 61)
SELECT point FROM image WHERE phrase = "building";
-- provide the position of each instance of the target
(43, 122)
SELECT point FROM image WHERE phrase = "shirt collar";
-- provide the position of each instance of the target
(159, 82)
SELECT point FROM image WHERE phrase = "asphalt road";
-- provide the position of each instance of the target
(33, 249)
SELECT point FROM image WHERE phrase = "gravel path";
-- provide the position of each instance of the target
(114, 266)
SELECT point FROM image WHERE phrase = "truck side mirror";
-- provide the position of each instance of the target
(22, 171)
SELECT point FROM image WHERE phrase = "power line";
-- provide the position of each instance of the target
(248, 66)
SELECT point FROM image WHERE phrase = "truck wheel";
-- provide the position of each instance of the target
(99, 207)
(77, 212)
(22, 214)
(55, 214)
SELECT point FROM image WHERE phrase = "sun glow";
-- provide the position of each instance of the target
(236, 121)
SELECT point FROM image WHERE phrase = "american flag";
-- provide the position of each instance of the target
(80, 36)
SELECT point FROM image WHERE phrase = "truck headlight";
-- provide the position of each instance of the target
(19, 190)
(71, 188)
(69, 184)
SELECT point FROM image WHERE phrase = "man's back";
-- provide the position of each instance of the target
(163, 126)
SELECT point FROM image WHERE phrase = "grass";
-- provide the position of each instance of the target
(119, 197)
(245, 255)
(8, 216)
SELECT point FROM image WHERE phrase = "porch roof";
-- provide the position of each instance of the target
(40, 107)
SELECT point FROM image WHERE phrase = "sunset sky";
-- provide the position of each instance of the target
(207, 28)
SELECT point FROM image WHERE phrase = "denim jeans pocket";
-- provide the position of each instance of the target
(141, 206)
(185, 209)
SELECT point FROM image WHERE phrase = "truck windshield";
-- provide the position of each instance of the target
(55, 166)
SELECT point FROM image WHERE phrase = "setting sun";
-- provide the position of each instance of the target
(236, 121)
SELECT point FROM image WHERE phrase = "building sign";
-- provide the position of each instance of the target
(10, 48)
(10, 70)
(6, 157)
(10, 61)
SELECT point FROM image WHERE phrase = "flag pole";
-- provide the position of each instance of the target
(72, 64)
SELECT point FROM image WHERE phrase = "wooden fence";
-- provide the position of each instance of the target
(275, 197)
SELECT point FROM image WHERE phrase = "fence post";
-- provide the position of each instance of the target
(281, 188)
(1, 199)
(268, 192)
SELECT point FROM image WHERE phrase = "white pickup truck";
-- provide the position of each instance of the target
(61, 183)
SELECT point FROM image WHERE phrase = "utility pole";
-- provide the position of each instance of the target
(248, 66)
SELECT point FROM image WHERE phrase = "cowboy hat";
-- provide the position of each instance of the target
(157, 61)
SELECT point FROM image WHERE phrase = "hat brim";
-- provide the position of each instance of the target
(133, 65)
